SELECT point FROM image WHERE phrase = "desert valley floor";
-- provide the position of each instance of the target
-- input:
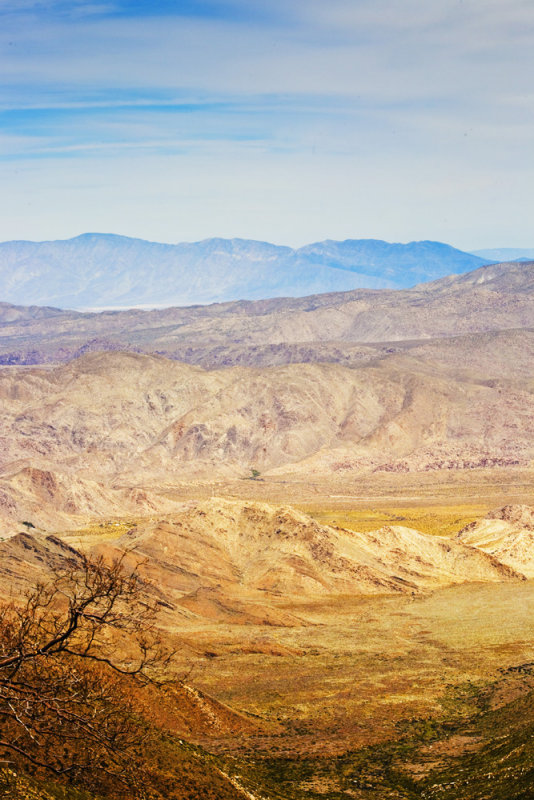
(338, 531)
(309, 669)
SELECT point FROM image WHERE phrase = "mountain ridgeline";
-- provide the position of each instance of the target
(104, 270)
(349, 328)
(306, 490)
(434, 379)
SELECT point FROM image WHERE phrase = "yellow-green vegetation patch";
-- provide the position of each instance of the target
(453, 755)
(99, 531)
(440, 520)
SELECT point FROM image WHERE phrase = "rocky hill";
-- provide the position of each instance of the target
(57, 498)
(78, 435)
(255, 549)
(507, 534)
(231, 561)
(348, 327)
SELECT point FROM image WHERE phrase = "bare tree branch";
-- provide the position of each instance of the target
(71, 657)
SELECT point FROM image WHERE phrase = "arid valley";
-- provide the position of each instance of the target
(266, 400)
(329, 501)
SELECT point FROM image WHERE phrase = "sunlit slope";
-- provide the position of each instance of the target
(225, 559)
(116, 413)
(508, 534)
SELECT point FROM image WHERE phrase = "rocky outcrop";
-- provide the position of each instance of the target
(506, 533)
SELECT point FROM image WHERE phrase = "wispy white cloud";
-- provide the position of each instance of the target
(384, 94)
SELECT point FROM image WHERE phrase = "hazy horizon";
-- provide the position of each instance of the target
(475, 251)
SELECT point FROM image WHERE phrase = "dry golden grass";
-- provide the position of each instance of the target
(357, 665)
(361, 665)
(440, 520)
(99, 531)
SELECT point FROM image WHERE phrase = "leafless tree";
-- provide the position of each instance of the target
(72, 657)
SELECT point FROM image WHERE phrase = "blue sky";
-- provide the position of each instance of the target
(286, 121)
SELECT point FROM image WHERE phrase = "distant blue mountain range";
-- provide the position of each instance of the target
(506, 254)
(108, 271)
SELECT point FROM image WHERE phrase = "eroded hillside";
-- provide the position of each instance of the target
(89, 437)
(344, 327)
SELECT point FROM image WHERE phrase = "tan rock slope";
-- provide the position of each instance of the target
(84, 439)
(220, 549)
(56, 500)
(28, 558)
(507, 534)
(235, 563)
(107, 416)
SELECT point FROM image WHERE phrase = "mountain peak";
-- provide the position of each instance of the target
(106, 270)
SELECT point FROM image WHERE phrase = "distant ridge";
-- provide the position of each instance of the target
(341, 327)
(110, 271)
(435, 379)
(506, 254)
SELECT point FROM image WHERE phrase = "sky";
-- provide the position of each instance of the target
(289, 122)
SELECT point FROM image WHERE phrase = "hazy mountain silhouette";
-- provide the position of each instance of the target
(104, 270)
